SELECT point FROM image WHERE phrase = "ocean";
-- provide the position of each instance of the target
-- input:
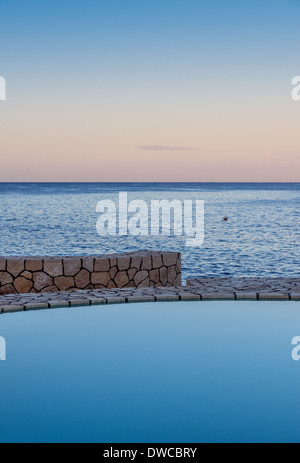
(260, 239)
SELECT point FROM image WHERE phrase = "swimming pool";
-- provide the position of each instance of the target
(157, 372)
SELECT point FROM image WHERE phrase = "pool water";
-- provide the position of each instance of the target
(158, 372)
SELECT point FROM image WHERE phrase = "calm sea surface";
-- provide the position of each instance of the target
(261, 237)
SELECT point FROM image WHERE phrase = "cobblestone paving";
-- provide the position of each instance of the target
(204, 289)
(256, 285)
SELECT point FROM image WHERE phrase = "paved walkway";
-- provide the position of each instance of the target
(261, 286)
(197, 289)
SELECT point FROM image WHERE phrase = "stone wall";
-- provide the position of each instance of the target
(51, 274)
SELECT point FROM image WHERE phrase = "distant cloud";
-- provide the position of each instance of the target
(293, 158)
(166, 148)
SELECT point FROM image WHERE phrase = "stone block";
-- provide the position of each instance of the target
(27, 275)
(82, 279)
(23, 285)
(36, 306)
(123, 263)
(157, 261)
(172, 274)
(102, 265)
(88, 263)
(131, 273)
(15, 266)
(167, 298)
(11, 308)
(49, 289)
(54, 267)
(141, 298)
(177, 281)
(100, 278)
(2, 264)
(246, 296)
(218, 297)
(163, 275)
(7, 289)
(72, 266)
(140, 276)
(146, 263)
(111, 285)
(97, 301)
(113, 272)
(276, 296)
(113, 261)
(121, 279)
(34, 265)
(5, 278)
(170, 258)
(154, 275)
(79, 303)
(136, 262)
(64, 283)
(41, 280)
(189, 297)
(144, 284)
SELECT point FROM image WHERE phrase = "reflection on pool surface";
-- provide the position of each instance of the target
(158, 372)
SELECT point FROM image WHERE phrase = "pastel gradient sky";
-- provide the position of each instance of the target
(160, 90)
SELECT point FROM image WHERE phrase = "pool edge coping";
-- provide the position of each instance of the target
(82, 298)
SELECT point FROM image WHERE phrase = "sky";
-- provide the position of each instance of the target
(160, 90)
